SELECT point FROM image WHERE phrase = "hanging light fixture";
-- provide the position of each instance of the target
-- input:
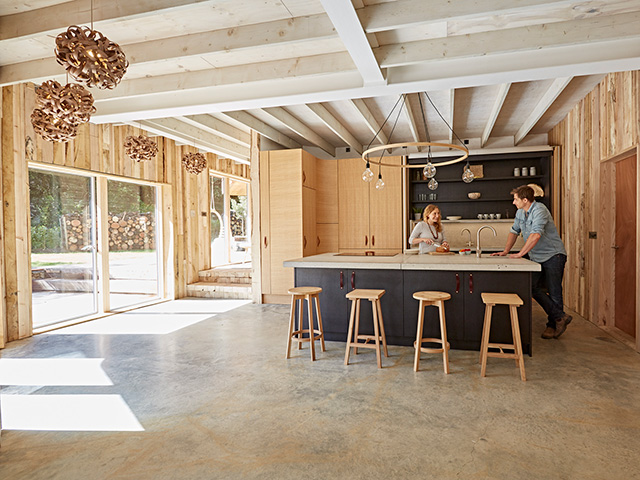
(194, 162)
(428, 168)
(140, 148)
(51, 128)
(467, 174)
(90, 57)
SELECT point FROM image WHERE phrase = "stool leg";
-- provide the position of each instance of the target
(484, 347)
(515, 327)
(292, 319)
(357, 331)
(381, 322)
(300, 302)
(416, 361)
(349, 334)
(312, 342)
(319, 317)
(376, 330)
(443, 337)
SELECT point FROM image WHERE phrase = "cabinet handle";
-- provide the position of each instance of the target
(341, 280)
(265, 242)
(373, 240)
(366, 240)
(457, 283)
(304, 178)
(471, 283)
(304, 242)
(318, 241)
(353, 280)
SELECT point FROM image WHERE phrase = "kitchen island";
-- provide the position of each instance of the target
(465, 277)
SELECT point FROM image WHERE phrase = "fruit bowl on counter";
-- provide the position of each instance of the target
(465, 251)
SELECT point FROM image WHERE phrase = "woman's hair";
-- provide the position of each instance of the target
(524, 191)
(428, 210)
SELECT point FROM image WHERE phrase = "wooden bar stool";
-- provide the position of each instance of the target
(435, 299)
(301, 294)
(513, 301)
(354, 336)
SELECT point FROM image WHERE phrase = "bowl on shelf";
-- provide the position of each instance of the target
(474, 195)
(454, 217)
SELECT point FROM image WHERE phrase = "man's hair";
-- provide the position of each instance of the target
(523, 192)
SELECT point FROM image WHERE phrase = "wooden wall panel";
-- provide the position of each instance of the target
(602, 126)
(96, 148)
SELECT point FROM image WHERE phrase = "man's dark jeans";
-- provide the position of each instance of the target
(547, 288)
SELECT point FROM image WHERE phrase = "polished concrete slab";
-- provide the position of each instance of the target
(200, 389)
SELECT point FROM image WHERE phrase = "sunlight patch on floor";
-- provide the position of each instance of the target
(53, 371)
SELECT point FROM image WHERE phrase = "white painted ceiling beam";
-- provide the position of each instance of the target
(336, 127)
(263, 129)
(452, 99)
(370, 121)
(191, 135)
(411, 116)
(295, 125)
(495, 111)
(179, 48)
(218, 127)
(56, 18)
(576, 32)
(344, 18)
(543, 105)
(407, 13)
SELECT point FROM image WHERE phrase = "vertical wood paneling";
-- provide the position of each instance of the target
(603, 125)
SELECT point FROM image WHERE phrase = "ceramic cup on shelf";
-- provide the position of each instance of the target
(479, 216)
(485, 216)
(492, 216)
(525, 171)
(498, 216)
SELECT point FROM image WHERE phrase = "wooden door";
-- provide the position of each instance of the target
(309, 237)
(265, 222)
(625, 245)
(353, 206)
(385, 216)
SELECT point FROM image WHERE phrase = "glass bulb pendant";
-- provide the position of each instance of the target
(379, 183)
(367, 175)
(429, 170)
(467, 175)
(433, 184)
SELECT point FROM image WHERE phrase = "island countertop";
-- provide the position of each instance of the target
(455, 262)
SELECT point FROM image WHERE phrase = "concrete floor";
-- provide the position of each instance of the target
(216, 398)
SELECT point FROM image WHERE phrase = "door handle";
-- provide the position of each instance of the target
(457, 283)
(304, 178)
(265, 242)
(318, 241)
(341, 280)
(615, 247)
(304, 242)
(373, 240)
(471, 283)
(366, 240)
(353, 280)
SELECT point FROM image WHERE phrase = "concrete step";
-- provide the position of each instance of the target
(226, 275)
(219, 290)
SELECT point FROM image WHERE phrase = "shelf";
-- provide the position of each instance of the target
(483, 179)
(467, 200)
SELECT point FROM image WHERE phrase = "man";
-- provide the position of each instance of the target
(544, 246)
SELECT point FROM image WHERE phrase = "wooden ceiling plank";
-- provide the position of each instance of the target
(495, 111)
(262, 128)
(411, 116)
(542, 106)
(574, 32)
(370, 120)
(295, 125)
(407, 13)
(336, 127)
(452, 99)
(344, 18)
(219, 128)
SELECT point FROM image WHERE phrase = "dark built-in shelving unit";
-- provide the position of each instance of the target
(495, 186)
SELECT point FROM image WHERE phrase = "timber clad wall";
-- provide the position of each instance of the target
(97, 148)
(604, 124)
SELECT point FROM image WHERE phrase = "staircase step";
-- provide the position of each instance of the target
(226, 275)
(219, 290)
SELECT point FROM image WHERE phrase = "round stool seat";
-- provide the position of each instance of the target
(429, 296)
(304, 290)
(365, 294)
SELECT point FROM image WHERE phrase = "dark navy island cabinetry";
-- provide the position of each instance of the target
(412, 273)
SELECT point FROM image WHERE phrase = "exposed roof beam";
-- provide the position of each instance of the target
(535, 37)
(336, 127)
(495, 111)
(200, 138)
(229, 41)
(406, 13)
(56, 18)
(543, 105)
(300, 128)
(411, 117)
(370, 120)
(452, 98)
(262, 128)
(344, 18)
(218, 127)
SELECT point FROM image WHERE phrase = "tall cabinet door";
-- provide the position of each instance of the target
(353, 206)
(265, 224)
(309, 235)
(385, 215)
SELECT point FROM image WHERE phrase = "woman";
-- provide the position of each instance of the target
(428, 234)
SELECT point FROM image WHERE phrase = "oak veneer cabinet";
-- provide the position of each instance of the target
(369, 219)
(326, 205)
(287, 217)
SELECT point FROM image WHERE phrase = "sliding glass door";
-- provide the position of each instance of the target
(63, 266)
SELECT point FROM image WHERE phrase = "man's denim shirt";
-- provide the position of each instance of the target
(538, 220)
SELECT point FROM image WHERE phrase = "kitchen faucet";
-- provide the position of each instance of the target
(478, 248)
(469, 232)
